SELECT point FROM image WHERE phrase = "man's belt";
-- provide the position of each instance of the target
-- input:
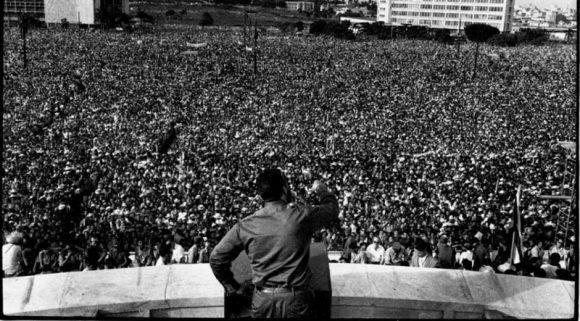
(266, 289)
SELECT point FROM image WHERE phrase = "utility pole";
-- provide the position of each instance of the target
(255, 47)
(457, 39)
(23, 31)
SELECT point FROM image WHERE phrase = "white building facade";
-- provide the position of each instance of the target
(300, 5)
(80, 11)
(448, 14)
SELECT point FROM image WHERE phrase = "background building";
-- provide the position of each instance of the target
(447, 14)
(12, 8)
(300, 5)
(53, 11)
(81, 11)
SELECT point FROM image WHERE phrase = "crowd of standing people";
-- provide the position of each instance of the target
(132, 149)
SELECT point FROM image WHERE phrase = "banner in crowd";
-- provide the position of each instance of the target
(196, 45)
(516, 248)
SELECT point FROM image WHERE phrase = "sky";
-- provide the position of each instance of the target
(547, 3)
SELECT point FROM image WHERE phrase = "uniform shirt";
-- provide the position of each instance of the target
(277, 241)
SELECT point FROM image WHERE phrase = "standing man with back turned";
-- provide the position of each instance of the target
(276, 239)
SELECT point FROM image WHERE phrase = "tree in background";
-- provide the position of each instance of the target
(110, 15)
(317, 27)
(332, 28)
(562, 18)
(299, 26)
(532, 36)
(479, 32)
(206, 19)
(372, 7)
(144, 16)
(504, 40)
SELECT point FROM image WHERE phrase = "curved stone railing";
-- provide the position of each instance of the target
(361, 291)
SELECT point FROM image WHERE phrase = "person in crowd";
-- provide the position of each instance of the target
(164, 255)
(178, 254)
(467, 265)
(486, 265)
(12, 262)
(68, 260)
(348, 255)
(539, 273)
(193, 252)
(142, 255)
(94, 246)
(361, 256)
(445, 253)
(375, 251)
(421, 256)
(47, 259)
(466, 254)
(91, 259)
(503, 253)
(277, 240)
(395, 255)
(564, 274)
(552, 267)
(480, 253)
(571, 263)
(537, 250)
(559, 248)
(205, 252)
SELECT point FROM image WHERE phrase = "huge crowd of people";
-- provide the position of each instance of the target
(139, 149)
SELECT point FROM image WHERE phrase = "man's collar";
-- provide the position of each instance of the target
(276, 203)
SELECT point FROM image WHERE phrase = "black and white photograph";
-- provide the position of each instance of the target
(375, 159)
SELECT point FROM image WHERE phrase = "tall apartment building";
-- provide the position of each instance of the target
(12, 9)
(447, 14)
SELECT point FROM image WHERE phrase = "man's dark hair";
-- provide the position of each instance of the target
(163, 249)
(539, 272)
(466, 264)
(421, 245)
(92, 257)
(269, 184)
(564, 275)
(554, 259)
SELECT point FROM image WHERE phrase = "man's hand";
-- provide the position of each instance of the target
(246, 289)
(318, 187)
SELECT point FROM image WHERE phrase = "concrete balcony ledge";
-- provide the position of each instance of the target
(172, 290)
(358, 291)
